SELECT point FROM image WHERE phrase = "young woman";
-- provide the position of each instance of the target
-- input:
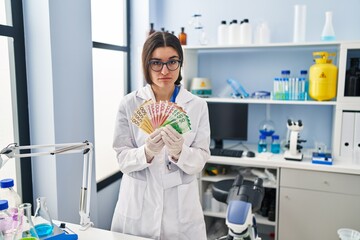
(159, 195)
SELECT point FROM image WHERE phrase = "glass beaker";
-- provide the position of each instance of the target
(26, 229)
(42, 220)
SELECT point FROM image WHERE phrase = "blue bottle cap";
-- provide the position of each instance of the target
(262, 136)
(285, 71)
(4, 205)
(275, 137)
(303, 72)
(6, 183)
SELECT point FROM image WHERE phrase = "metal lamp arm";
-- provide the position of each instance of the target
(13, 151)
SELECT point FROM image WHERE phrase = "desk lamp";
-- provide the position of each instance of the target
(13, 151)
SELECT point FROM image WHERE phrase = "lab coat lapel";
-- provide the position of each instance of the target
(146, 93)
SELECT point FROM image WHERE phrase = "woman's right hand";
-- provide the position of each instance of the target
(153, 145)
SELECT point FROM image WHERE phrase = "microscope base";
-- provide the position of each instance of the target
(294, 157)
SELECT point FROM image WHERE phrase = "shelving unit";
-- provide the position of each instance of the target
(257, 65)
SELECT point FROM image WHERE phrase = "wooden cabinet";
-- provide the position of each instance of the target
(314, 205)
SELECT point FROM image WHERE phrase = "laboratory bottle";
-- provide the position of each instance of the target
(262, 145)
(8, 222)
(275, 144)
(8, 193)
(284, 84)
(26, 228)
(182, 36)
(352, 78)
(207, 199)
(223, 33)
(234, 32)
(43, 223)
(245, 32)
(152, 30)
(328, 33)
(262, 35)
(304, 84)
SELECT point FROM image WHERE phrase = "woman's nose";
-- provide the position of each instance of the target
(164, 70)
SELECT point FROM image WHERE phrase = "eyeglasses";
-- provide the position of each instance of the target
(157, 65)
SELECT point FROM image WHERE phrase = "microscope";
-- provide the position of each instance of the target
(294, 152)
(243, 198)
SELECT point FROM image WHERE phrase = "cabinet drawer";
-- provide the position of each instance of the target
(320, 181)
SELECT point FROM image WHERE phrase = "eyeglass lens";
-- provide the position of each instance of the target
(157, 66)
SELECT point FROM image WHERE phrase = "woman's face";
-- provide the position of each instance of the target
(164, 78)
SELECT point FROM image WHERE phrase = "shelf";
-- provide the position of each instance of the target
(259, 219)
(266, 183)
(262, 46)
(270, 101)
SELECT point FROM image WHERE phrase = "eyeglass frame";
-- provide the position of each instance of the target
(165, 63)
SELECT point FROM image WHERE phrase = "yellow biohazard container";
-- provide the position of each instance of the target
(323, 77)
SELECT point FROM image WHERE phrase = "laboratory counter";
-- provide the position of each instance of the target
(97, 233)
(278, 161)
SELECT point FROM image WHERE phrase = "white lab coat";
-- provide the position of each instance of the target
(155, 201)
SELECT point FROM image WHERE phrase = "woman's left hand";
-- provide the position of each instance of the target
(173, 141)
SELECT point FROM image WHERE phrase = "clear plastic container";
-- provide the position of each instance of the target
(8, 193)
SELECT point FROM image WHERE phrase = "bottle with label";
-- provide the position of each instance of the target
(323, 77)
(182, 36)
(262, 145)
(223, 33)
(8, 193)
(275, 144)
(328, 33)
(152, 30)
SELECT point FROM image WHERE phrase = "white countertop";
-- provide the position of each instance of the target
(96, 233)
(277, 160)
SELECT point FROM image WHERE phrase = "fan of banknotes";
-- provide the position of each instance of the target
(152, 115)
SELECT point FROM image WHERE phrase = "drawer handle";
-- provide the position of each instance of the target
(326, 182)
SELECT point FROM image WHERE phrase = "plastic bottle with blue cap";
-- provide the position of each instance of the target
(8, 193)
(262, 145)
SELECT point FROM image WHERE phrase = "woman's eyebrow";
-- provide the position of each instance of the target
(159, 59)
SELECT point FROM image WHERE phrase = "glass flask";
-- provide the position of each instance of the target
(26, 229)
(42, 220)
(267, 128)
